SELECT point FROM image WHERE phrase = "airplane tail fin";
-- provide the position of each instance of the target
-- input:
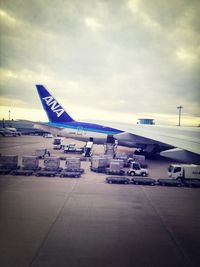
(53, 109)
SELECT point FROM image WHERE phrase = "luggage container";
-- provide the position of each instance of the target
(116, 167)
(108, 159)
(123, 157)
(98, 164)
(30, 163)
(52, 164)
(116, 163)
(73, 164)
(9, 162)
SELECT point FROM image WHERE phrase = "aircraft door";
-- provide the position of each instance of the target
(80, 131)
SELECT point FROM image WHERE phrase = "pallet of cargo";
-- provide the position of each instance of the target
(144, 181)
(71, 174)
(169, 182)
(46, 173)
(191, 183)
(22, 172)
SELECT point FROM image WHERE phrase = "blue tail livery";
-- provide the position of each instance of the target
(61, 123)
(53, 109)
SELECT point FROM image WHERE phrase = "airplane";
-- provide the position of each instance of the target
(9, 131)
(179, 143)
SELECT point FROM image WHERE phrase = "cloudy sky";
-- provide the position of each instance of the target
(115, 60)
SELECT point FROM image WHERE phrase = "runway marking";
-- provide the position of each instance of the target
(53, 223)
(168, 230)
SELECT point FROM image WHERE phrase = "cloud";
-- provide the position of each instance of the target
(131, 58)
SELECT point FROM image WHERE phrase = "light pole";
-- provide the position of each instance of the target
(179, 118)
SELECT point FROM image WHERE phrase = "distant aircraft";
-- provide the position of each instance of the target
(180, 143)
(9, 131)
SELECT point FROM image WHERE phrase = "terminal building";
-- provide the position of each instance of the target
(146, 121)
(23, 127)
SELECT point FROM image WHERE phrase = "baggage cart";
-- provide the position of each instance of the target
(46, 173)
(117, 180)
(190, 183)
(144, 181)
(22, 172)
(5, 171)
(72, 174)
(169, 182)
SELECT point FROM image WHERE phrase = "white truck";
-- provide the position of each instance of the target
(184, 171)
(58, 143)
(135, 169)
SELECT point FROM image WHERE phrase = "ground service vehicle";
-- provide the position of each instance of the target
(57, 143)
(135, 169)
(184, 171)
(73, 149)
(48, 135)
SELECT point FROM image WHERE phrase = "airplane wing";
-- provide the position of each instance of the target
(186, 138)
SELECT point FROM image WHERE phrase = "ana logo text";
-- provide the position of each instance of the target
(55, 107)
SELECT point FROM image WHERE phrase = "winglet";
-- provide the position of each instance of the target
(53, 109)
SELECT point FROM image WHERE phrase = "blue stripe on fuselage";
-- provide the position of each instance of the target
(84, 126)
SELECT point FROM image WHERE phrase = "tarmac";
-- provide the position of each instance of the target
(85, 222)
